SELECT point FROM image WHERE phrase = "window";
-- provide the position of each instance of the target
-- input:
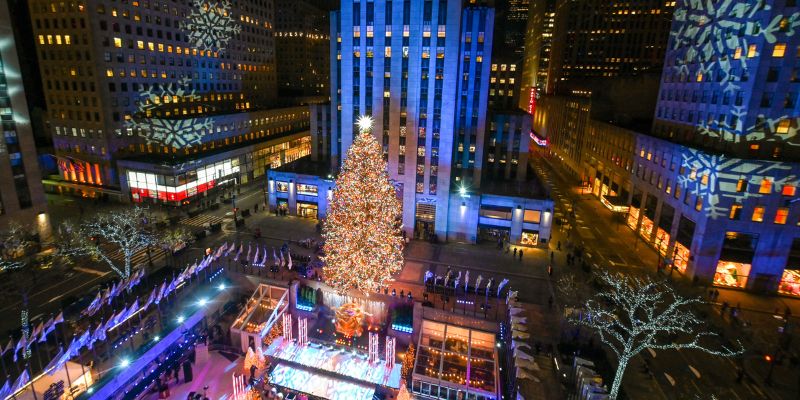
(788, 190)
(783, 126)
(781, 215)
(532, 216)
(766, 186)
(752, 51)
(741, 186)
(309, 190)
(758, 214)
(495, 212)
(698, 204)
(779, 50)
(282, 187)
(704, 179)
(736, 212)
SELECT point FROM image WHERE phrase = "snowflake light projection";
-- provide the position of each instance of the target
(712, 42)
(175, 132)
(210, 25)
(724, 174)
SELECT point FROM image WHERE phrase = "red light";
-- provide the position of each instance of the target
(768, 358)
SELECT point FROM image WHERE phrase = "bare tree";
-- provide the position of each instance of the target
(632, 314)
(109, 236)
(174, 240)
(15, 242)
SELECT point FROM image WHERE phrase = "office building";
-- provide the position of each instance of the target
(713, 186)
(504, 83)
(421, 69)
(21, 195)
(536, 77)
(161, 81)
(302, 46)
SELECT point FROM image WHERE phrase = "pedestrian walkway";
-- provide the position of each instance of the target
(202, 221)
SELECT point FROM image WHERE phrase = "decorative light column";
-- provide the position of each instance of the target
(390, 343)
(302, 328)
(373, 347)
(287, 327)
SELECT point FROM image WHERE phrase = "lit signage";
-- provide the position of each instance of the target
(541, 142)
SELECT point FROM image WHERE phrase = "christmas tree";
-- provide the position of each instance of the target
(363, 245)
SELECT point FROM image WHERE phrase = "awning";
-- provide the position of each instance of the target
(615, 203)
(302, 380)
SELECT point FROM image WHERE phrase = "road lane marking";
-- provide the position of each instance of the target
(91, 271)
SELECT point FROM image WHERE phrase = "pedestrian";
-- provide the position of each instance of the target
(716, 294)
(552, 255)
(558, 246)
(515, 253)
(394, 293)
(402, 293)
(550, 270)
(520, 255)
(550, 302)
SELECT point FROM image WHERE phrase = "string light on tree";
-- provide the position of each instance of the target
(363, 245)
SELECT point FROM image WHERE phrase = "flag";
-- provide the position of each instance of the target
(35, 333)
(275, 257)
(239, 253)
(248, 252)
(281, 255)
(466, 282)
(20, 345)
(150, 299)
(55, 363)
(289, 258)
(160, 294)
(22, 379)
(59, 318)
(100, 332)
(10, 346)
(503, 283)
(5, 391)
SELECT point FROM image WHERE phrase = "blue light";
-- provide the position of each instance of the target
(304, 307)
(403, 328)
(181, 319)
(124, 362)
(202, 302)
(221, 286)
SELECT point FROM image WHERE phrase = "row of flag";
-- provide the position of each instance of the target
(261, 256)
(98, 333)
(106, 296)
(10, 387)
(37, 335)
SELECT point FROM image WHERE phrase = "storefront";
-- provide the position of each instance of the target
(732, 274)
(680, 257)
(175, 188)
(633, 217)
(529, 238)
(494, 233)
(307, 210)
(646, 229)
(790, 282)
(735, 260)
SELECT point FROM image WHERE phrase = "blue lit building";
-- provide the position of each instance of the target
(421, 69)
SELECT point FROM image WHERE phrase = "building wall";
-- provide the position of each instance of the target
(302, 45)
(321, 131)
(706, 204)
(538, 45)
(283, 192)
(107, 69)
(504, 84)
(736, 93)
(400, 62)
(21, 195)
(507, 146)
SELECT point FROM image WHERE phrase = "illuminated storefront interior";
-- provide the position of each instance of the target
(455, 363)
(731, 273)
(647, 228)
(185, 185)
(529, 238)
(633, 217)
(681, 258)
(662, 241)
(790, 282)
(307, 210)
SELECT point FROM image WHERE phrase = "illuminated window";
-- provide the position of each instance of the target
(693, 174)
(783, 126)
(752, 51)
(738, 53)
(117, 42)
(741, 186)
(704, 179)
(698, 204)
(788, 190)
(781, 215)
(532, 216)
(779, 50)
(766, 186)
(758, 214)
(736, 212)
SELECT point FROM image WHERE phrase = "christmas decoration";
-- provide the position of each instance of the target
(403, 393)
(210, 26)
(349, 320)
(363, 245)
(634, 314)
(408, 362)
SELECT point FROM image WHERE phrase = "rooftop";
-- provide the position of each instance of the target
(307, 166)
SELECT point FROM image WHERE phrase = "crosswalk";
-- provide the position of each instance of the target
(201, 221)
(140, 258)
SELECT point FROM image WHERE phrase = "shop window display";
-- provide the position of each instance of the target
(731, 274)
(790, 282)
(662, 241)
(647, 228)
(633, 217)
(529, 238)
(681, 258)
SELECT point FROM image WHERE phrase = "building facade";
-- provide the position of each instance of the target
(504, 83)
(22, 198)
(149, 78)
(713, 188)
(302, 44)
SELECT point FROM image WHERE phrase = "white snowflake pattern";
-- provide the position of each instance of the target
(210, 25)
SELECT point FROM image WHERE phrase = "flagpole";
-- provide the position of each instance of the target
(30, 372)
(69, 380)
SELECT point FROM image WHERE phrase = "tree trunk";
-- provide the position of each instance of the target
(623, 363)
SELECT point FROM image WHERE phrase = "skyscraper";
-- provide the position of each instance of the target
(21, 196)
(302, 44)
(538, 45)
(421, 69)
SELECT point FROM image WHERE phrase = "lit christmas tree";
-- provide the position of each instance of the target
(363, 245)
